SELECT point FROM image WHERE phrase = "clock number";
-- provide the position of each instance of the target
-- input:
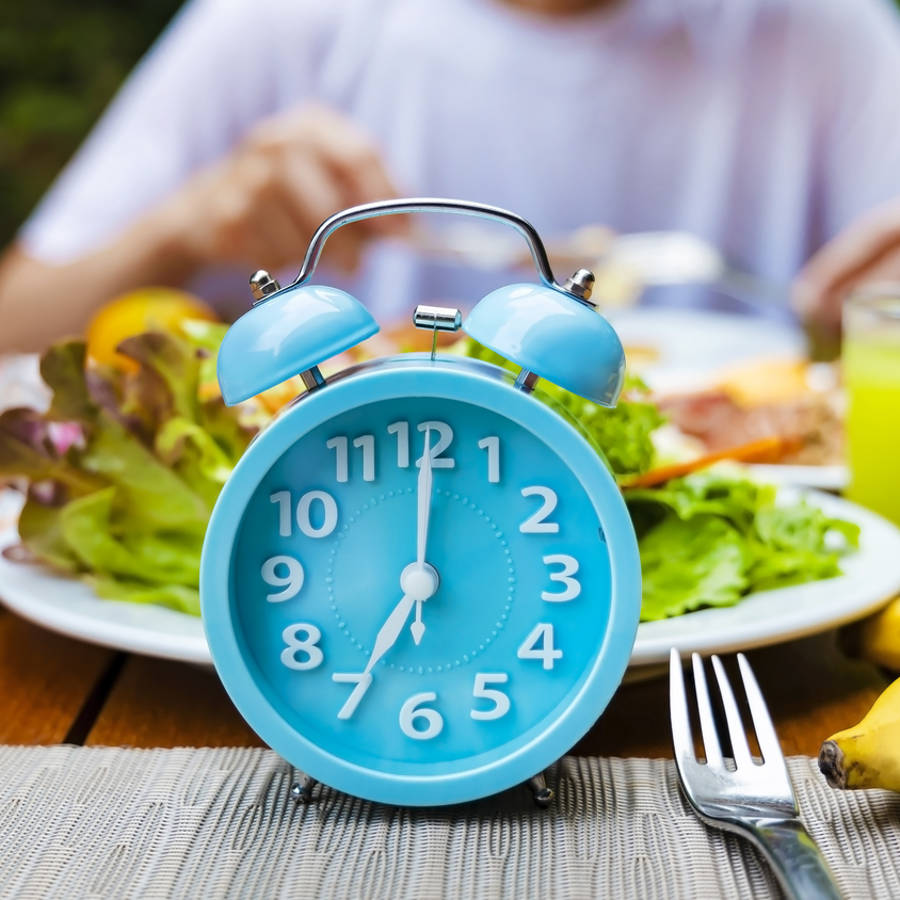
(411, 711)
(291, 581)
(342, 464)
(362, 680)
(303, 515)
(445, 437)
(283, 499)
(401, 429)
(366, 442)
(307, 645)
(536, 523)
(329, 514)
(483, 692)
(539, 645)
(572, 586)
(492, 445)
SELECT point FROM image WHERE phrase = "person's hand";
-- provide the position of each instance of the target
(867, 251)
(260, 205)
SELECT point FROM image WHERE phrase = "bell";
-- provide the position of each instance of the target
(288, 332)
(554, 333)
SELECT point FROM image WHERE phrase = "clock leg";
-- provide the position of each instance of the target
(543, 795)
(301, 791)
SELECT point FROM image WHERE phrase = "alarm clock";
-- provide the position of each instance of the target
(421, 585)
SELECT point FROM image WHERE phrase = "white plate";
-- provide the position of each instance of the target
(826, 478)
(693, 345)
(872, 575)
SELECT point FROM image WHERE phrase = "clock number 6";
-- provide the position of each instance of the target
(413, 710)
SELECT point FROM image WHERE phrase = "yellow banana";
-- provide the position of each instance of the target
(868, 754)
(879, 637)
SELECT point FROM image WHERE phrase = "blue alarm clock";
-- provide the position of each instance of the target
(420, 584)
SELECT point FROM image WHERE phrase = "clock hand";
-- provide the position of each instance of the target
(384, 640)
(423, 512)
(390, 631)
(417, 585)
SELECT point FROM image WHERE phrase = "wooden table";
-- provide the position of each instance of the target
(57, 690)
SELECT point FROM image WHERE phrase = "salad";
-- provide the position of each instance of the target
(121, 473)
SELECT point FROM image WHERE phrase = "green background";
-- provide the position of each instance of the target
(60, 63)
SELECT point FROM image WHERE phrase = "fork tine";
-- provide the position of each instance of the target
(740, 750)
(712, 750)
(759, 712)
(682, 739)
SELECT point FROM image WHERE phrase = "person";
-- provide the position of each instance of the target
(752, 123)
(866, 252)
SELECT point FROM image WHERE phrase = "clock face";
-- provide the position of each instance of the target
(418, 613)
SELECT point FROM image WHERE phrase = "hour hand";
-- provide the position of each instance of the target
(384, 640)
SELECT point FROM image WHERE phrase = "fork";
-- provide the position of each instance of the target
(753, 799)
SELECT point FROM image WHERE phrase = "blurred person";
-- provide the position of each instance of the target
(764, 126)
(866, 252)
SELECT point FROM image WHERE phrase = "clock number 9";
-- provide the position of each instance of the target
(306, 645)
(303, 516)
(290, 581)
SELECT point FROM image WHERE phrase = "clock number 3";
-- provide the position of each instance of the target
(571, 586)
(302, 651)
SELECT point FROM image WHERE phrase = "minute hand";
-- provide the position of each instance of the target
(423, 512)
(423, 501)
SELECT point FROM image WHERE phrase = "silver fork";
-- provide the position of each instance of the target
(753, 799)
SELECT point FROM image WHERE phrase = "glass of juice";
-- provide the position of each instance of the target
(871, 367)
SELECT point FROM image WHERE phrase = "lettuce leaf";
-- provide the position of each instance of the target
(714, 536)
(686, 565)
(622, 435)
(124, 467)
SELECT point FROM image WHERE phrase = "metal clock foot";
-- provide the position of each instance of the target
(301, 791)
(543, 795)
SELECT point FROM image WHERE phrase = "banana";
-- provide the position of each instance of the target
(868, 754)
(879, 637)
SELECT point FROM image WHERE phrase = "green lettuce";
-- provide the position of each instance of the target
(712, 537)
(123, 469)
(622, 435)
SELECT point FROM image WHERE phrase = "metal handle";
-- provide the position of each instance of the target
(426, 204)
(796, 860)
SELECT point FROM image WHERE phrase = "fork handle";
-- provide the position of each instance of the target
(795, 859)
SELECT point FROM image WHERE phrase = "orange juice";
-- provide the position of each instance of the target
(871, 363)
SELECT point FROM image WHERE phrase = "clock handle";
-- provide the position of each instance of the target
(428, 204)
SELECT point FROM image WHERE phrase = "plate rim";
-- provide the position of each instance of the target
(649, 649)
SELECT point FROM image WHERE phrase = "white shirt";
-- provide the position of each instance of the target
(763, 126)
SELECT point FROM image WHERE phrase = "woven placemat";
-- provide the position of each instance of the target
(110, 822)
